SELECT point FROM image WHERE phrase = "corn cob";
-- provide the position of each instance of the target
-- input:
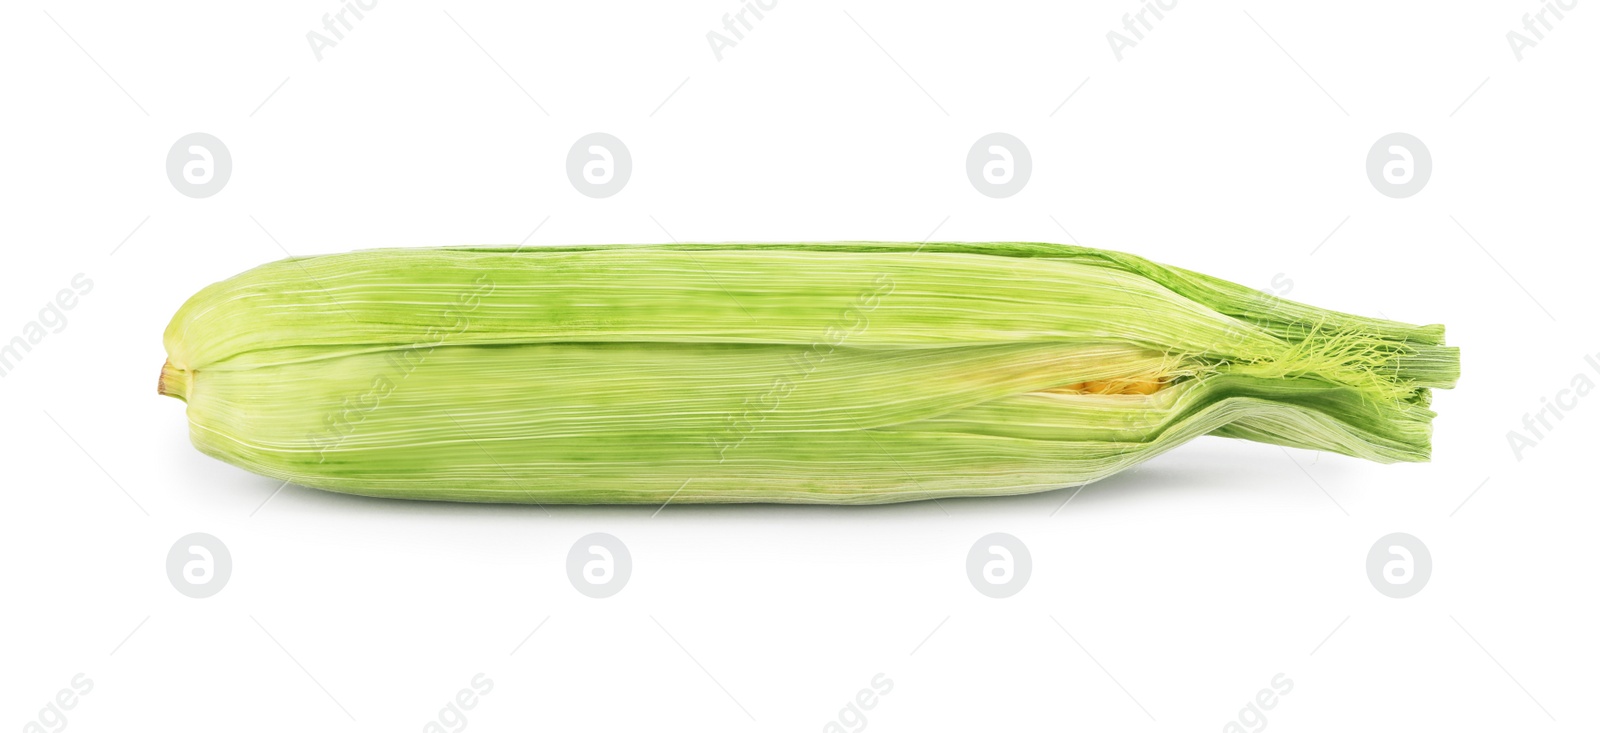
(826, 373)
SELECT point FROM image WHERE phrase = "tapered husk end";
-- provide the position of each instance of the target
(174, 382)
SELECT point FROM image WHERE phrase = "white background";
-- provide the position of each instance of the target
(1161, 599)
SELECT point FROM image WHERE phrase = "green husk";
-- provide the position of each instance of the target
(836, 373)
